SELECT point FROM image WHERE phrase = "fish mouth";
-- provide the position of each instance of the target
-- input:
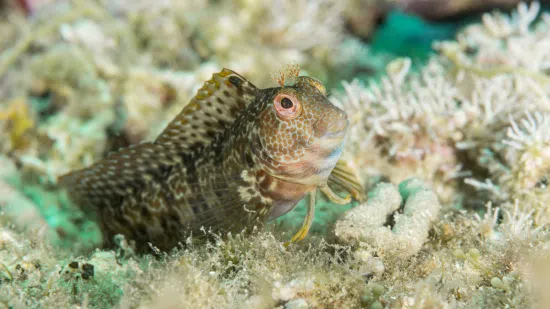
(337, 129)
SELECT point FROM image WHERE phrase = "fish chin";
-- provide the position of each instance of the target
(325, 164)
(323, 156)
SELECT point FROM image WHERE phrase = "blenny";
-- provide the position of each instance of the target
(234, 157)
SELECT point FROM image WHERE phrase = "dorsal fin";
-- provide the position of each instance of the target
(209, 113)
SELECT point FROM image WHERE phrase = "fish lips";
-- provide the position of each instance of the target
(337, 129)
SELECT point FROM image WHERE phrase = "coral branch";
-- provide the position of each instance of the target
(450, 51)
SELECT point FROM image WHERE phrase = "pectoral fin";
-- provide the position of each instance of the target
(308, 221)
(342, 176)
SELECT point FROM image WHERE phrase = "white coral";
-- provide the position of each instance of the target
(529, 152)
(365, 225)
(403, 111)
(500, 25)
(514, 41)
(519, 225)
(460, 102)
(534, 130)
(409, 120)
(489, 222)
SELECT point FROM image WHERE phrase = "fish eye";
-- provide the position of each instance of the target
(287, 106)
(286, 103)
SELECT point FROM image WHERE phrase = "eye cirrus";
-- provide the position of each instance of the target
(287, 106)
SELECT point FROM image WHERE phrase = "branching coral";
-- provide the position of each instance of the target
(483, 100)
(449, 120)
(411, 121)
(519, 225)
(528, 160)
(530, 147)
(519, 165)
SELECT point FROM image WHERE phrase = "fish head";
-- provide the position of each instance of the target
(300, 131)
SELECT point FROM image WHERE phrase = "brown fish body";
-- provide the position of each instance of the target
(233, 158)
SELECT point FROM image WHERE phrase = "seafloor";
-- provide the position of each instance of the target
(450, 135)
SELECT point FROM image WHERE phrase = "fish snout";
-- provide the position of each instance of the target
(332, 125)
(338, 126)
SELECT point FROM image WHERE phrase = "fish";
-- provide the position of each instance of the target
(235, 157)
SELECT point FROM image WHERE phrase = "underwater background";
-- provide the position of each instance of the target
(449, 104)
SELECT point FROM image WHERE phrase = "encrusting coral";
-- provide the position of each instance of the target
(364, 225)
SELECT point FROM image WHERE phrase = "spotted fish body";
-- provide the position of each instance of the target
(234, 157)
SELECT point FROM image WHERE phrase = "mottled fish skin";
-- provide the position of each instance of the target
(234, 157)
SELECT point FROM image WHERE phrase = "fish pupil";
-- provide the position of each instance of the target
(286, 103)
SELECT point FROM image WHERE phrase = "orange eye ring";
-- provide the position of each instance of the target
(287, 106)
